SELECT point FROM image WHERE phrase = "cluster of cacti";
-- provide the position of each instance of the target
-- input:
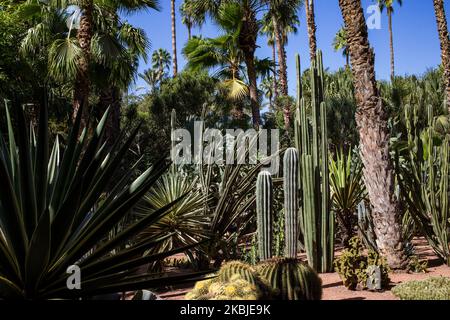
(317, 221)
(264, 195)
(424, 181)
(291, 279)
(234, 281)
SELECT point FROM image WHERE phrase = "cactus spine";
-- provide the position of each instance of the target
(236, 268)
(291, 280)
(290, 166)
(264, 194)
(317, 221)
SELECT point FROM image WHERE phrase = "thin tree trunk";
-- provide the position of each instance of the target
(174, 40)
(445, 45)
(189, 29)
(282, 71)
(371, 119)
(347, 61)
(253, 91)
(310, 21)
(247, 43)
(274, 54)
(391, 44)
(82, 83)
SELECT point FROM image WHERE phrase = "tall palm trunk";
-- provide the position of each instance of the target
(274, 59)
(371, 119)
(82, 83)
(391, 43)
(310, 21)
(252, 88)
(282, 71)
(445, 45)
(174, 40)
(247, 43)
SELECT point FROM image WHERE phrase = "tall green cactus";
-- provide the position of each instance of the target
(317, 221)
(264, 195)
(424, 182)
(291, 279)
(290, 166)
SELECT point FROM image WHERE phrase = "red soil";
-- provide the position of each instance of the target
(334, 290)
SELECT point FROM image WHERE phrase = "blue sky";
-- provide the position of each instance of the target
(415, 37)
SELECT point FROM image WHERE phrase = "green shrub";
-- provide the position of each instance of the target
(437, 288)
(352, 266)
(417, 266)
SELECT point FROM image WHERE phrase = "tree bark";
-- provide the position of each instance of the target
(275, 84)
(371, 119)
(282, 71)
(445, 45)
(82, 83)
(247, 43)
(391, 44)
(310, 21)
(174, 40)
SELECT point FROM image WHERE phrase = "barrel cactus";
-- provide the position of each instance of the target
(264, 195)
(232, 268)
(291, 279)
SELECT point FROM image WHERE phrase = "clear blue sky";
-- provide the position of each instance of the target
(415, 37)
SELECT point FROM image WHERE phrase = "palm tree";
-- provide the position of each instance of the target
(190, 18)
(152, 78)
(374, 135)
(282, 18)
(445, 44)
(161, 60)
(240, 17)
(311, 23)
(340, 43)
(389, 6)
(223, 56)
(174, 39)
(267, 30)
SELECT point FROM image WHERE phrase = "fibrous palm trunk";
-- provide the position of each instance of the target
(371, 118)
(282, 70)
(82, 83)
(310, 21)
(391, 44)
(445, 45)
(275, 76)
(174, 40)
(247, 43)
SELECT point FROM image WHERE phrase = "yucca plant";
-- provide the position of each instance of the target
(347, 191)
(57, 210)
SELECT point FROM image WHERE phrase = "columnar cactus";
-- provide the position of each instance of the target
(316, 221)
(264, 195)
(291, 279)
(290, 166)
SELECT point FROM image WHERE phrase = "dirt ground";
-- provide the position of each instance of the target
(334, 290)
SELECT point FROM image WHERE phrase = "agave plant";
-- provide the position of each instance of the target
(347, 191)
(186, 222)
(57, 211)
